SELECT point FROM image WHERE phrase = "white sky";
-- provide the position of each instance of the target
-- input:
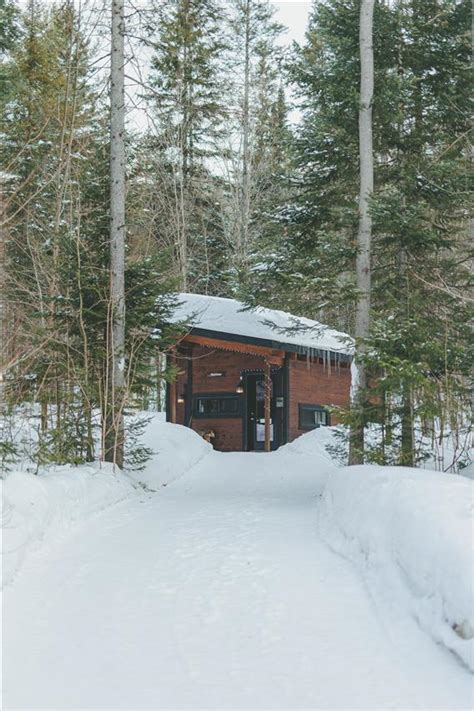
(294, 15)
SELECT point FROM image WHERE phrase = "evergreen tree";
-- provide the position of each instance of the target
(57, 258)
(258, 139)
(312, 266)
(418, 350)
(423, 349)
(187, 112)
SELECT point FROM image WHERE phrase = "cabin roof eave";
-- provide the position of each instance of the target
(271, 345)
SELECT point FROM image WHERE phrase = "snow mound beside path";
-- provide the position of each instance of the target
(34, 506)
(176, 449)
(411, 532)
(315, 443)
(41, 507)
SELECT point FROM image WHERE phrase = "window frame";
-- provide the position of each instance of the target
(216, 415)
(314, 408)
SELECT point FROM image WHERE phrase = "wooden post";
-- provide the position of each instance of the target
(173, 390)
(268, 397)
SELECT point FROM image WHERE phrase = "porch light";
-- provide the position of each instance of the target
(180, 399)
(240, 387)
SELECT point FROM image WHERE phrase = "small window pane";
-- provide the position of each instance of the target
(230, 404)
(312, 416)
(216, 406)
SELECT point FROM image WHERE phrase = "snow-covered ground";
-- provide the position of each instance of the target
(226, 588)
(39, 509)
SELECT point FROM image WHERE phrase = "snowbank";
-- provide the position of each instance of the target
(318, 442)
(176, 449)
(43, 506)
(411, 533)
(36, 506)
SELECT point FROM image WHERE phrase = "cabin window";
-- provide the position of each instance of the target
(216, 406)
(312, 416)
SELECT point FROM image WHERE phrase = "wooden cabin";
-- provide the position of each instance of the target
(253, 380)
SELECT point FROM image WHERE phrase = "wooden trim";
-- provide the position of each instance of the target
(188, 407)
(268, 396)
(270, 344)
(274, 357)
(286, 395)
(173, 390)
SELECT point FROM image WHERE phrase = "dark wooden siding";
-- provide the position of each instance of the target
(229, 430)
(312, 382)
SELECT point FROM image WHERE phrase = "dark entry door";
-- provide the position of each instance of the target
(255, 413)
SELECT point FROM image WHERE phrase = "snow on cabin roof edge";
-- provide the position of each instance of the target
(216, 314)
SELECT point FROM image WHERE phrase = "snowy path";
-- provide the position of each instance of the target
(214, 593)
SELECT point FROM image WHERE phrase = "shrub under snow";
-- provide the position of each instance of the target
(411, 532)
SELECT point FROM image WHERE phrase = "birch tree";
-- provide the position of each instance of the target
(113, 434)
(364, 236)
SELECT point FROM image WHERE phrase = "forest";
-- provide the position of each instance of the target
(242, 178)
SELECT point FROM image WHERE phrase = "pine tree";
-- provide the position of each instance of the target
(9, 37)
(418, 351)
(421, 219)
(312, 268)
(256, 149)
(185, 100)
(56, 211)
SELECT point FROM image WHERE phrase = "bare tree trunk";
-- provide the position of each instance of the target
(363, 269)
(114, 435)
(407, 458)
(245, 206)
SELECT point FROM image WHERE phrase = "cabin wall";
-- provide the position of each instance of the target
(309, 382)
(197, 363)
(312, 382)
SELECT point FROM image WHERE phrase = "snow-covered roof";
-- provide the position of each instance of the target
(284, 331)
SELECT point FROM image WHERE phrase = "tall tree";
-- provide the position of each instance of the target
(46, 126)
(364, 236)
(56, 155)
(113, 420)
(9, 36)
(420, 222)
(186, 108)
(418, 349)
(257, 119)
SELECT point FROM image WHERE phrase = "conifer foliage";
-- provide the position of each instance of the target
(55, 243)
(418, 350)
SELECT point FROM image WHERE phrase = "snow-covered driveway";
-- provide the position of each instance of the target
(213, 593)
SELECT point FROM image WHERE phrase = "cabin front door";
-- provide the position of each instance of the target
(255, 413)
